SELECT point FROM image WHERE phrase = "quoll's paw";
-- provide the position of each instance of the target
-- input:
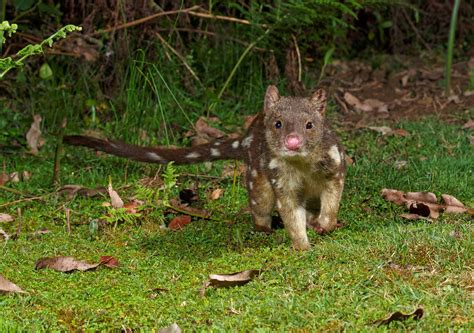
(322, 231)
(264, 229)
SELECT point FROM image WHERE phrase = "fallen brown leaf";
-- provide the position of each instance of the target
(202, 128)
(109, 261)
(64, 264)
(178, 222)
(424, 204)
(421, 196)
(33, 136)
(217, 193)
(453, 205)
(4, 234)
(395, 196)
(417, 314)
(229, 280)
(173, 328)
(9, 287)
(469, 124)
(384, 130)
(367, 105)
(5, 218)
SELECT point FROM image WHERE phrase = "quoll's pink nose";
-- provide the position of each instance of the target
(293, 142)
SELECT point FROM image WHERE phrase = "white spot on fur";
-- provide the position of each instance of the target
(215, 152)
(253, 202)
(335, 155)
(254, 173)
(278, 204)
(250, 185)
(273, 180)
(247, 141)
(217, 143)
(193, 155)
(273, 164)
(154, 156)
(235, 144)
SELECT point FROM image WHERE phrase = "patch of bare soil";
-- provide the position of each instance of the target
(400, 88)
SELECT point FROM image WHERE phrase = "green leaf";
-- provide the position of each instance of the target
(46, 72)
(23, 5)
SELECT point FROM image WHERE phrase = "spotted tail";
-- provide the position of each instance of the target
(218, 150)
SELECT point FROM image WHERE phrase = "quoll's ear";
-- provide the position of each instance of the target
(271, 97)
(319, 100)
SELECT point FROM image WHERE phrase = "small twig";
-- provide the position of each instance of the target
(187, 212)
(224, 18)
(57, 158)
(417, 33)
(68, 221)
(298, 56)
(210, 33)
(20, 224)
(14, 191)
(180, 57)
(142, 20)
(41, 197)
(199, 176)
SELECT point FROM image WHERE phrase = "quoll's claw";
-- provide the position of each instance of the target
(322, 231)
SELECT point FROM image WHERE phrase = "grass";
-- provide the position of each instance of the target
(377, 264)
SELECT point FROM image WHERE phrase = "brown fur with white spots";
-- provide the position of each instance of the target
(294, 162)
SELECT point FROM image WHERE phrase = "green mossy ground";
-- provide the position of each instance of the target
(376, 264)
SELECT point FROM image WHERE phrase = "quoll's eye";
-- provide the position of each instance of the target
(277, 124)
(309, 125)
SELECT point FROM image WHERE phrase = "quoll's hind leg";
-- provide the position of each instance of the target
(330, 198)
(294, 219)
(262, 200)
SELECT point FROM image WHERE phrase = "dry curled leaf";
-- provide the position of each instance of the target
(115, 199)
(109, 261)
(469, 124)
(424, 204)
(203, 129)
(178, 222)
(217, 193)
(33, 136)
(229, 280)
(417, 314)
(367, 105)
(5, 218)
(4, 234)
(384, 130)
(7, 286)
(64, 264)
(173, 328)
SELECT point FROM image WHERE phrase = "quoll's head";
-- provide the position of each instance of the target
(294, 125)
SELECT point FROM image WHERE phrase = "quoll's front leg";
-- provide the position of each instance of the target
(330, 199)
(262, 200)
(294, 219)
